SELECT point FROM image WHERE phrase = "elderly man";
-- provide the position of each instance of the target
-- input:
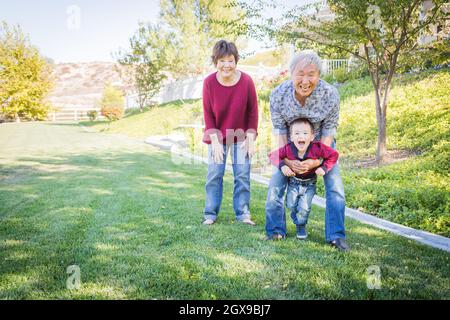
(305, 95)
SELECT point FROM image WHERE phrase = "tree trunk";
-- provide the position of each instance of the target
(381, 108)
(382, 121)
(382, 135)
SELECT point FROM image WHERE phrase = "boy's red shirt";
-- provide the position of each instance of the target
(316, 150)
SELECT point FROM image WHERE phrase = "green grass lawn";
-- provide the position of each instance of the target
(131, 220)
(158, 120)
(414, 191)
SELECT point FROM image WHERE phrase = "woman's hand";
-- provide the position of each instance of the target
(217, 152)
(216, 149)
(248, 146)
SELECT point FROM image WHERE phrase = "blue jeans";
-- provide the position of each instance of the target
(335, 204)
(299, 199)
(214, 183)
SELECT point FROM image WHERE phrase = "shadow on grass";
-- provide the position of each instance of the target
(131, 221)
(61, 123)
(92, 123)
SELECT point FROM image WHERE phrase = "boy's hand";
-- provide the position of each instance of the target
(287, 171)
(320, 172)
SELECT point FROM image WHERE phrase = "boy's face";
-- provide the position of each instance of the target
(301, 136)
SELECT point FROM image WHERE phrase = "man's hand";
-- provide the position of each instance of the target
(287, 171)
(320, 172)
(301, 167)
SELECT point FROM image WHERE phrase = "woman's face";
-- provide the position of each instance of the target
(226, 66)
(305, 79)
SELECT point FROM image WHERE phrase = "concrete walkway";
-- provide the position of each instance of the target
(430, 239)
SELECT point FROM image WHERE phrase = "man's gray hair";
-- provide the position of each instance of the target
(308, 57)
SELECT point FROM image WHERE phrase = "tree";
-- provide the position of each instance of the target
(112, 103)
(379, 33)
(145, 62)
(196, 25)
(179, 45)
(24, 77)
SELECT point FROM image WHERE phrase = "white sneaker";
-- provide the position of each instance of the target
(208, 222)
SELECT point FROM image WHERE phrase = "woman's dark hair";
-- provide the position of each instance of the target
(222, 49)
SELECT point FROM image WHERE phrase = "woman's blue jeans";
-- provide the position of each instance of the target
(335, 204)
(214, 183)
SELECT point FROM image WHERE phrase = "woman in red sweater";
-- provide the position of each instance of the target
(230, 109)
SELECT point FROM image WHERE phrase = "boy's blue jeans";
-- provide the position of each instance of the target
(299, 198)
(214, 183)
(335, 204)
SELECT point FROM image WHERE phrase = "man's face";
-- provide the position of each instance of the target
(305, 79)
(301, 135)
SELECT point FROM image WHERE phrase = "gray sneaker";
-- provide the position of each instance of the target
(208, 222)
(249, 222)
(275, 236)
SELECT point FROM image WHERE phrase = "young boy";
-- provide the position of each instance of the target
(302, 187)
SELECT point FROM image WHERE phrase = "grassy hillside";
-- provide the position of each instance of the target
(159, 120)
(412, 189)
(416, 190)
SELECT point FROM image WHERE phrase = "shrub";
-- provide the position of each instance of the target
(112, 113)
(272, 82)
(328, 78)
(342, 75)
(92, 115)
(112, 103)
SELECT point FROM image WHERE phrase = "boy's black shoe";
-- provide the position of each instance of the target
(301, 232)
